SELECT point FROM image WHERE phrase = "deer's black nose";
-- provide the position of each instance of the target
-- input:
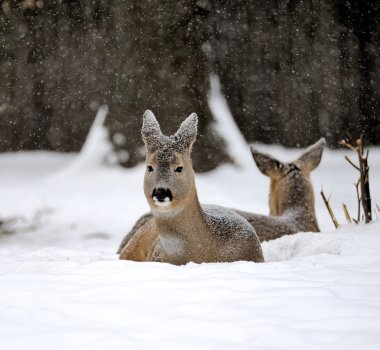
(160, 194)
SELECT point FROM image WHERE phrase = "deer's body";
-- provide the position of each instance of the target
(291, 198)
(291, 195)
(180, 230)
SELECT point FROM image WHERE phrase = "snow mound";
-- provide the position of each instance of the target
(348, 240)
(96, 150)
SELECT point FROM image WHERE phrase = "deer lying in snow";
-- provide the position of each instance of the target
(291, 196)
(181, 230)
(291, 200)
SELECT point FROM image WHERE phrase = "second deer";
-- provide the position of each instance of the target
(291, 195)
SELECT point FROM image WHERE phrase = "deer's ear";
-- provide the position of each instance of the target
(150, 131)
(187, 132)
(311, 158)
(267, 164)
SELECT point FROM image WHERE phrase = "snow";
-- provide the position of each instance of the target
(63, 287)
(225, 125)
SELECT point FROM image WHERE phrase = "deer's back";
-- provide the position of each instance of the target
(234, 238)
(272, 227)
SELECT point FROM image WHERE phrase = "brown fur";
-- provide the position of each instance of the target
(291, 197)
(142, 245)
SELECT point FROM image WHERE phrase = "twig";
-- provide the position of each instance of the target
(359, 143)
(364, 198)
(346, 144)
(329, 209)
(378, 210)
(364, 181)
(348, 217)
(349, 160)
(358, 198)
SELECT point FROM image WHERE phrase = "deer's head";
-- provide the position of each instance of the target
(169, 178)
(290, 185)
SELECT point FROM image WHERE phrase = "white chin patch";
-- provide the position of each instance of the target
(165, 203)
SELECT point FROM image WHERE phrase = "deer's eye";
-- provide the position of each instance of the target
(179, 169)
(149, 168)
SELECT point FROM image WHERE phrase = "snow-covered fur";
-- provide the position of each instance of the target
(291, 197)
(180, 230)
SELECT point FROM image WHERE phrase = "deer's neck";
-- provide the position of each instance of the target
(302, 217)
(295, 203)
(183, 232)
(182, 219)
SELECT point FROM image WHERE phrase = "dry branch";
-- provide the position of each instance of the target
(346, 213)
(346, 144)
(358, 198)
(350, 161)
(326, 201)
(364, 198)
(364, 181)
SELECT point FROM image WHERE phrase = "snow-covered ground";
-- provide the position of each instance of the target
(63, 287)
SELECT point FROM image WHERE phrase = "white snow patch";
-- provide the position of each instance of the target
(225, 125)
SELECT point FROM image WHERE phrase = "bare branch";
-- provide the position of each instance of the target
(362, 192)
(359, 143)
(346, 213)
(329, 209)
(346, 144)
(358, 198)
(364, 181)
(349, 160)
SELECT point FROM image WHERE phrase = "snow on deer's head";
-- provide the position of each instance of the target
(169, 178)
(290, 185)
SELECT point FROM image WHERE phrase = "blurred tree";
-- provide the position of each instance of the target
(363, 17)
(157, 49)
(291, 70)
(49, 63)
(62, 59)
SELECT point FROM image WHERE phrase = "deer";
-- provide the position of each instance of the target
(291, 195)
(291, 198)
(180, 230)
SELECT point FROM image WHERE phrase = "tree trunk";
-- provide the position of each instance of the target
(62, 59)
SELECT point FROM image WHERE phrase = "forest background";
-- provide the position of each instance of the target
(291, 71)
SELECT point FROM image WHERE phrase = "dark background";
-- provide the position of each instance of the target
(291, 71)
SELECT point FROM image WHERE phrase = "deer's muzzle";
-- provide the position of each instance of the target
(162, 196)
